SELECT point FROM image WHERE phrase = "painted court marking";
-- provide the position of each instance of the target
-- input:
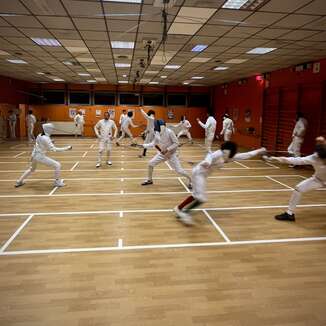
(281, 183)
(19, 154)
(217, 227)
(75, 165)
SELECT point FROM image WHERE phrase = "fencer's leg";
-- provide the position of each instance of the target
(121, 137)
(26, 174)
(57, 169)
(304, 186)
(175, 164)
(189, 136)
(157, 159)
(128, 132)
(208, 143)
(100, 153)
(180, 134)
(108, 152)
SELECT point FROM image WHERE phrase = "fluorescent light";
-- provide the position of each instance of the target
(172, 67)
(199, 48)
(46, 41)
(200, 59)
(91, 81)
(122, 45)
(67, 63)
(40, 73)
(58, 79)
(185, 83)
(236, 61)
(122, 65)
(221, 68)
(125, 76)
(127, 1)
(164, 77)
(197, 77)
(261, 50)
(83, 74)
(17, 61)
(234, 4)
(154, 83)
(151, 72)
(100, 79)
(123, 81)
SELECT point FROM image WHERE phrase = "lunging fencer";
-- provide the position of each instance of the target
(43, 144)
(166, 142)
(149, 131)
(30, 123)
(228, 128)
(185, 126)
(125, 131)
(104, 132)
(210, 128)
(200, 173)
(298, 134)
(318, 180)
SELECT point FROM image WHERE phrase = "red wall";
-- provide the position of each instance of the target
(236, 98)
(11, 90)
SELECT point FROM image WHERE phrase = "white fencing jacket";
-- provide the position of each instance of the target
(166, 140)
(30, 120)
(300, 128)
(228, 125)
(104, 129)
(209, 126)
(185, 125)
(79, 119)
(150, 120)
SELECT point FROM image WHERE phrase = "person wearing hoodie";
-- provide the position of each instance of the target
(43, 144)
(166, 142)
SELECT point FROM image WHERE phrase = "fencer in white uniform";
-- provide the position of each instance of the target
(30, 123)
(200, 173)
(166, 142)
(318, 180)
(125, 123)
(228, 128)
(12, 119)
(105, 130)
(79, 123)
(185, 126)
(210, 128)
(123, 115)
(149, 131)
(298, 134)
(43, 144)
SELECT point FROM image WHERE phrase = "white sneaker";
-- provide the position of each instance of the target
(109, 163)
(59, 183)
(98, 165)
(19, 184)
(183, 217)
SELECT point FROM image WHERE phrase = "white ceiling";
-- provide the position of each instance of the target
(85, 28)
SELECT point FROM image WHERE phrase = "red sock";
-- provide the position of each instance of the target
(186, 202)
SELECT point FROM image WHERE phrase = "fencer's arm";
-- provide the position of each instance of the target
(52, 148)
(248, 155)
(153, 143)
(202, 125)
(223, 129)
(132, 124)
(306, 160)
(120, 119)
(188, 125)
(115, 130)
(96, 130)
(175, 142)
(210, 158)
(145, 115)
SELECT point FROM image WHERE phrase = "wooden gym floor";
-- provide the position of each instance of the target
(106, 251)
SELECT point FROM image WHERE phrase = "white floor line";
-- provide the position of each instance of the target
(92, 146)
(141, 193)
(241, 164)
(75, 165)
(163, 178)
(272, 165)
(183, 184)
(15, 146)
(281, 183)
(19, 155)
(120, 243)
(53, 191)
(12, 238)
(169, 166)
(158, 210)
(161, 246)
(84, 155)
(217, 227)
(121, 214)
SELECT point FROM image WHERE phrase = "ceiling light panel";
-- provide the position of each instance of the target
(17, 61)
(199, 48)
(46, 41)
(122, 45)
(151, 72)
(172, 67)
(220, 68)
(153, 83)
(91, 81)
(234, 4)
(126, 1)
(83, 74)
(197, 77)
(122, 65)
(260, 50)
(123, 82)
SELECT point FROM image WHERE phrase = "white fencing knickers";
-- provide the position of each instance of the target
(184, 133)
(79, 129)
(199, 182)
(124, 132)
(208, 142)
(227, 135)
(307, 185)
(104, 145)
(30, 132)
(39, 158)
(295, 146)
(172, 160)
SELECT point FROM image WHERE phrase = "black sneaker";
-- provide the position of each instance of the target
(147, 182)
(285, 217)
